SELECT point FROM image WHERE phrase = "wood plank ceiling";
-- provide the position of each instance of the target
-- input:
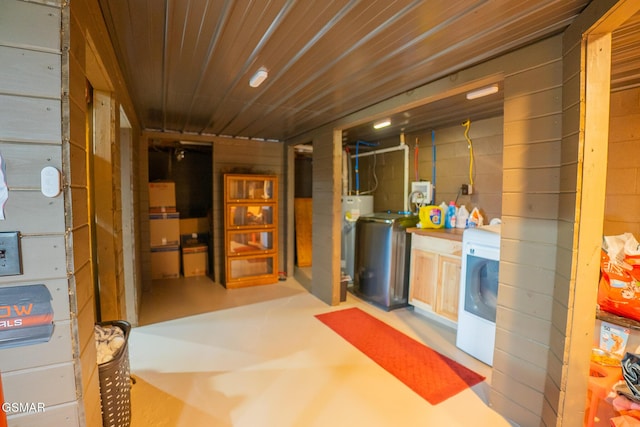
(187, 63)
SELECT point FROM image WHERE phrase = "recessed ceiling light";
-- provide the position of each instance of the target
(382, 124)
(259, 77)
(479, 93)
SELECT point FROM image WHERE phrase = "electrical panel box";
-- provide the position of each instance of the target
(10, 257)
(422, 192)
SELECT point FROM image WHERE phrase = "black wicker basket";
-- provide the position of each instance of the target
(115, 383)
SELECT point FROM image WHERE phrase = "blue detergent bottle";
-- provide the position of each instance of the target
(450, 218)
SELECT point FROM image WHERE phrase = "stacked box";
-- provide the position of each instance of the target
(194, 230)
(164, 230)
(194, 225)
(194, 238)
(165, 262)
(194, 260)
(162, 197)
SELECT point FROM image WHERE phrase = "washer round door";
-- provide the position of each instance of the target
(481, 289)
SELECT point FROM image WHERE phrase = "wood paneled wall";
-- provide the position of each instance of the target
(531, 162)
(105, 180)
(327, 218)
(33, 68)
(383, 174)
(622, 204)
(82, 269)
(46, 59)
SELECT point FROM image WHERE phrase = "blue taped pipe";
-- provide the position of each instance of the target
(433, 164)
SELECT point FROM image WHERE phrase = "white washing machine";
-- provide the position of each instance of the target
(479, 292)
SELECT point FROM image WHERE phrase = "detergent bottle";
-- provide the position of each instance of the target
(431, 216)
(462, 217)
(450, 218)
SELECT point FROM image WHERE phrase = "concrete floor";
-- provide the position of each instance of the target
(208, 356)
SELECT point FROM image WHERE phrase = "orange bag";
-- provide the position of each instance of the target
(619, 287)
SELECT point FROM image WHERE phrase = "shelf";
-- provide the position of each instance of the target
(617, 320)
(251, 230)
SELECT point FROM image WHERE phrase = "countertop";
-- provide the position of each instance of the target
(441, 233)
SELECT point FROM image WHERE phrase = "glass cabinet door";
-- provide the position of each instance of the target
(243, 268)
(246, 242)
(249, 215)
(242, 188)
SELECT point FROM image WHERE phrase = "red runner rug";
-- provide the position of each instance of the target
(433, 376)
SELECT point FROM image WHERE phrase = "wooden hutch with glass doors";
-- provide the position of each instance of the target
(250, 229)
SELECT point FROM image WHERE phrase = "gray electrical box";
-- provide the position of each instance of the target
(10, 256)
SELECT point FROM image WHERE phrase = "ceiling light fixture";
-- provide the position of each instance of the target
(382, 124)
(259, 77)
(479, 93)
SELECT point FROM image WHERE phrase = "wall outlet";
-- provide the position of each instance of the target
(10, 256)
(466, 189)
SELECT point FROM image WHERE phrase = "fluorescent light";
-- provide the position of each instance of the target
(479, 93)
(259, 77)
(304, 148)
(382, 124)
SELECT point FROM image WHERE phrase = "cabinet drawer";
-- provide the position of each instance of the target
(433, 244)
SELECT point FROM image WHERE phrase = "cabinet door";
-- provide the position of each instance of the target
(250, 187)
(250, 242)
(252, 270)
(422, 280)
(249, 215)
(448, 287)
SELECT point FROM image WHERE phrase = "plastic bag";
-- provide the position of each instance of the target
(631, 373)
(619, 287)
(475, 218)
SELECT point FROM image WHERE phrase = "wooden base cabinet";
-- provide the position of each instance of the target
(434, 277)
(251, 230)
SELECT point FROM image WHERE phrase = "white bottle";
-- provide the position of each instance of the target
(462, 217)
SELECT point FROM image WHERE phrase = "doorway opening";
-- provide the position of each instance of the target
(189, 167)
(303, 213)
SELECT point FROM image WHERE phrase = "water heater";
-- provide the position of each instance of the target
(352, 208)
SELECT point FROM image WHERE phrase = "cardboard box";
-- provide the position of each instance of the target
(194, 260)
(194, 225)
(165, 262)
(164, 229)
(194, 238)
(162, 196)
